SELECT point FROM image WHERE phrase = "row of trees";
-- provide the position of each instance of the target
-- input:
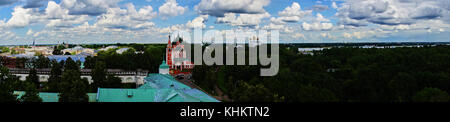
(338, 74)
(10, 83)
(146, 58)
(65, 78)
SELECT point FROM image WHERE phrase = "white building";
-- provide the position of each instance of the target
(164, 68)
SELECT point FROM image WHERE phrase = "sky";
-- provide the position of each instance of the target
(151, 21)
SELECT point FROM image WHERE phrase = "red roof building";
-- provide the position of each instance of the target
(176, 58)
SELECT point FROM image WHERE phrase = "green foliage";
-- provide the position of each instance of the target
(57, 50)
(41, 62)
(339, 74)
(6, 95)
(4, 50)
(254, 93)
(99, 74)
(33, 78)
(31, 94)
(309, 93)
(72, 87)
(71, 65)
(75, 91)
(55, 76)
(146, 57)
(6, 89)
(431, 95)
(113, 82)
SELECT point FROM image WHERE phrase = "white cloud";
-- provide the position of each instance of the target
(298, 35)
(328, 35)
(293, 13)
(320, 18)
(59, 16)
(2, 24)
(359, 34)
(144, 14)
(7, 35)
(273, 26)
(278, 21)
(334, 5)
(54, 11)
(171, 28)
(30, 32)
(67, 22)
(21, 17)
(320, 8)
(88, 7)
(293, 10)
(319, 23)
(170, 9)
(391, 12)
(316, 26)
(198, 22)
(281, 27)
(347, 35)
(219, 8)
(246, 20)
(127, 18)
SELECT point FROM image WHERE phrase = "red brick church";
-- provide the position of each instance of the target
(176, 58)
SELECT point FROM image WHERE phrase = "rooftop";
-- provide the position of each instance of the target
(157, 88)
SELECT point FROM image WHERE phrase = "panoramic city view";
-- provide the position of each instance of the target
(225, 51)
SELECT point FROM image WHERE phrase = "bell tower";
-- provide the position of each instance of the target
(169, 53)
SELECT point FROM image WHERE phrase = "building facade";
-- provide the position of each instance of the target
(177, 59)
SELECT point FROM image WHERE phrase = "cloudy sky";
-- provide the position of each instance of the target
(150, 21)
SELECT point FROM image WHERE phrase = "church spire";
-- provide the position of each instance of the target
(169, 43)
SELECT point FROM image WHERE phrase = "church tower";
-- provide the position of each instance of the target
(169, 53)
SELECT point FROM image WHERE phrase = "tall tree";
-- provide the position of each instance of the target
(6, 94)
(4, 74)
(55, 76)
(70, 64)
(31, 94)
(75, 91)
(99, 74)
(33, 78)
(113, 82)
(6, 90)
(72, 87)
(41, 62)
(57, 51)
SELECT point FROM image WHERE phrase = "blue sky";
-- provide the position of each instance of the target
(150, 21)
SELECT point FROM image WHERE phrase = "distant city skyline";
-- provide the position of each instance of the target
(151, 21)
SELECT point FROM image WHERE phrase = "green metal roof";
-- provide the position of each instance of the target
(162, 81)
(164, 65)
(53, 97)
(157, 88)
(148, 95)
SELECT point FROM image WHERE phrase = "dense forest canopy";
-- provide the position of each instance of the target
(344, 74)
